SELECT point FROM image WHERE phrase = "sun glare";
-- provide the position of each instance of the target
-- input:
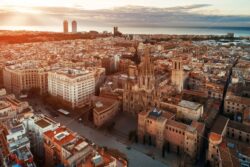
(26, 10)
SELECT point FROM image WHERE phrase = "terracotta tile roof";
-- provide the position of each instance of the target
(215, 137)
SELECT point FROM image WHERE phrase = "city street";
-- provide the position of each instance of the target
(136, 158)
(101, 138)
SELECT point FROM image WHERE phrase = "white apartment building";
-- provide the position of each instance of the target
(37, 126)
(17, 137)
(72, 85)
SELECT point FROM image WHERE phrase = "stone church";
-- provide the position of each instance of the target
(141, 93)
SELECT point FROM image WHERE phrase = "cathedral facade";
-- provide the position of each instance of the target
(141, 93)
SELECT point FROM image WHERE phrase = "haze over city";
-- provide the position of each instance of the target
(127, 13)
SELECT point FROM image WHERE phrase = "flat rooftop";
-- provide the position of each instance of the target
(219, 124)
(17, 129)
(42, 123)
(103, 103)
(26, 65)
(60, 136)
(189, 104)
(72, 73)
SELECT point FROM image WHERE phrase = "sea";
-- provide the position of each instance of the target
(238, 31)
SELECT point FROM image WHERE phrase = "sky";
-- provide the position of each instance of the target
(151, 13)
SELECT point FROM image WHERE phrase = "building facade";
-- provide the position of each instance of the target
(105, 109)
(18, 78)
(19, 145)
(72, 85)
(159, 128)
(63, 147)
(141, 93)
(189, 110)
(235, 104)
(37, 126)
(11, 108)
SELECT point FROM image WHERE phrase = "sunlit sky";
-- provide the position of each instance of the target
(150, 13)
(232, 7)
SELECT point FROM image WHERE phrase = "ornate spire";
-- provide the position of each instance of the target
(147, 67)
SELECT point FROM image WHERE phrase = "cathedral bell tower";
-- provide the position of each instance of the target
(177, 77)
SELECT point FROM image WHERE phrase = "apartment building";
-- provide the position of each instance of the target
(11, 108)
(237, 98)
(235, 104)
(63, 147)
(228, 144)
(4, 150)
(239, 132)
(21, 77)
(103, 158)
(19, 145)
(36, 126)
(74, 86)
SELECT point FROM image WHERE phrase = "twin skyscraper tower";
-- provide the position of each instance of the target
(66, 26)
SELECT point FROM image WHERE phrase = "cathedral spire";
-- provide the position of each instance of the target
(147, 67)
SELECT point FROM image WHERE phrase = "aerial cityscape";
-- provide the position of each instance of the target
(124, 84)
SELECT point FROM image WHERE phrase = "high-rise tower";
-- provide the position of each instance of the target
(177, 74)
(74, 26)
(65, 26)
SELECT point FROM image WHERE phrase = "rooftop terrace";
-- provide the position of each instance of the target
(189, 104)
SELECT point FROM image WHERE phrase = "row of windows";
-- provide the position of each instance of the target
(240, 138)
(235, 104)
(175, 130)
(237, 131)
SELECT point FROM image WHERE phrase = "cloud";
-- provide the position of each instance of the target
(136, 16)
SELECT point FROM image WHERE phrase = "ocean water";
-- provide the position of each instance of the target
(238, 31)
